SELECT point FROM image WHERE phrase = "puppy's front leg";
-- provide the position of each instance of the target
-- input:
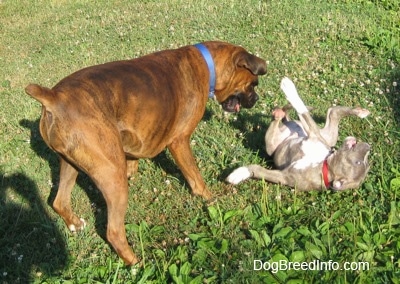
(183, 156)
(274, 135)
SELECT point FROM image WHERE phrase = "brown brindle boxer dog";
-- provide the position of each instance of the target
(103, 118)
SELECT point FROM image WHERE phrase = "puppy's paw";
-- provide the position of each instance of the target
(239, 175)
(361, 112)
(278, 113)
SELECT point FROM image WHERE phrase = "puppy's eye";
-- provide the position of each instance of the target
(358, 163)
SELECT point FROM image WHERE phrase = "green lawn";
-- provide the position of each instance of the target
(343, 52)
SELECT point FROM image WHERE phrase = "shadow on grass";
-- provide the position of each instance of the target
(30, 242)
(95, 197)
(254, 135)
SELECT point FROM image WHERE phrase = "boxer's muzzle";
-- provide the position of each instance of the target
(236, 101)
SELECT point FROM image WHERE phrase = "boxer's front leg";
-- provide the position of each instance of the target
(183, 156)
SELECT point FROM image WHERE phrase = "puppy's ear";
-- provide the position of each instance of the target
(254, 64)
(349, 142)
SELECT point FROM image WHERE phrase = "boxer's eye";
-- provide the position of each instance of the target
(253, 85)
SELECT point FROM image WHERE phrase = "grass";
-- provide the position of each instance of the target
(338, 52)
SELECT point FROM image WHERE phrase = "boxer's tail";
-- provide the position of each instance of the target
(44, 95)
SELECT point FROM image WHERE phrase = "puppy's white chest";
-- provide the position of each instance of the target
(314, 152)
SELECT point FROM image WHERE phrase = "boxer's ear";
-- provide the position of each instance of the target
(254, 64)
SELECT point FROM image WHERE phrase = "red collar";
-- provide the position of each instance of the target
(325, 172)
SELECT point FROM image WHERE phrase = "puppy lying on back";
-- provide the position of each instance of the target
(302, 151)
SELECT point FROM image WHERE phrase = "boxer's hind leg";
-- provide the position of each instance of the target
(105, 163)
(108, 169)
(62, 202)
(110, 177)
(330, 131)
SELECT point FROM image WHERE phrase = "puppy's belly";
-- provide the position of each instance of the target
(295, 128)
(314, 152)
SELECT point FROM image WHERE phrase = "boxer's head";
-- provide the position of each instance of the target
(237, 74)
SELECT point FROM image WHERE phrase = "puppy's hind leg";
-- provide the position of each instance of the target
(257, 172)
(290, 91)
(274, 176)
(330, 131)
(239, 175)
(293, 97)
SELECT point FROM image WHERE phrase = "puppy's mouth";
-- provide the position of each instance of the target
(231, 104)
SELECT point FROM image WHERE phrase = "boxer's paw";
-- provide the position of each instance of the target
(361, 112)
(239, 175)
(77, 227)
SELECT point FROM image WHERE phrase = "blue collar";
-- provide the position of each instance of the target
(210, 64)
